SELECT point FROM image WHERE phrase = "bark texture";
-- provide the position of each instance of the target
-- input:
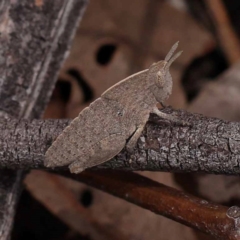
(35, 37)
(204, 144)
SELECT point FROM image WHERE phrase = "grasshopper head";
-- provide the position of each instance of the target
(159, 75)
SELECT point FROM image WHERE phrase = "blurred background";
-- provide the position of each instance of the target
(114, 40)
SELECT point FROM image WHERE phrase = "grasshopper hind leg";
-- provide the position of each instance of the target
(103, 151)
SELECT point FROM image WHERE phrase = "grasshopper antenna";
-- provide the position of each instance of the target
(173, 59)
(171, 52)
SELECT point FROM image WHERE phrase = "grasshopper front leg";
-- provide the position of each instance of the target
(169, 117)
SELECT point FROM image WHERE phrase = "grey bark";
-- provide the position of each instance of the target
(34, 37)
(217, 99)
(206, 145)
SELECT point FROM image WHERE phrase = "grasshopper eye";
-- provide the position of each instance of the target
(160, 79)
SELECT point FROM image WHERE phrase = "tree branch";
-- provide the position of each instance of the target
(224, 30)
(216, 220)
(35, 37)
(207, 145)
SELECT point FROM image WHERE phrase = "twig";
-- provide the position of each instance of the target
(35, 37)
(210, 218)
(226, 35)
(203, 145)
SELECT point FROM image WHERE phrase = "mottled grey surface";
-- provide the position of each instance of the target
(34, 39)
(24, 143)
(114, 120)
(208, 145)
(34, 42)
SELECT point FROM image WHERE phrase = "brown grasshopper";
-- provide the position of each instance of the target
(114, 120)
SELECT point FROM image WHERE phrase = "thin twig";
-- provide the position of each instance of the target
(201, 145)
(216, 220)
(226, 34)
